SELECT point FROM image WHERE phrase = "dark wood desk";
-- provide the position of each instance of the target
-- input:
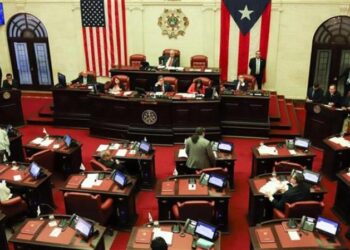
(321, 122)
(36, 192)
(11, 107)
(342, 202)
(224, 160)
(3, 239)
(181, 193)
(335, 157)
(178, 242)
(67, 160)
(308, 240)
(124, 215)
(39, 238)
(147, 79)
(134, 161)
(263, 163)
(16, 147)
(260, 208)
(244, 114)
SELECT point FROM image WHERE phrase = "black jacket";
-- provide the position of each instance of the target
(7, 86)
(252, 66)
(318, 95)
(241, 87)
(336, 99)
(300, 192)
(80, 79)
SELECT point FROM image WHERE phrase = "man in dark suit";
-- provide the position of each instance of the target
(162, 86)
(0, 75)
(346, 107)
(333, 97)
(315, 94)
(297, 191)
(257, 68)
(240, 84)
(84, 78)
(9, 83)
(346, 76)
(171, 60)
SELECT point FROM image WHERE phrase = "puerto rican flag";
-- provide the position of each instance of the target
(245, 28)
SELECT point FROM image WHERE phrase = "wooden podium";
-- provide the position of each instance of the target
(11, 108)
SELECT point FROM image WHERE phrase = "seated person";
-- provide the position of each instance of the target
(297, 190)
(240, 84)
(115, 85)
(9, 83)
(171, 60)
(159, 243)
(4, 145)
(332, 97)
(107, 160)
(346, 107)
(84, 78)
(197, 87)
(5, 192)
(162, 86)
(315, 94)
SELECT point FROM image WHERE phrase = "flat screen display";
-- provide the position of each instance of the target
(327, 226)
(205, 230)
(67, 140)
(311, 177)
(120, 178)
(145, 147)
(225, 146)
(301, 142)
(34, 170)
(61, 79)
(84, 227)
(2, 15)
(217, 180)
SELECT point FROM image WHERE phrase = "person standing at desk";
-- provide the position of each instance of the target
(315, 94)
(240, 84)
(197, 87)
(199, 151)
(297, 191)
(84, 78)
(9, 83)
(332, 97)
(4, 145)
(171, 60)
(161, 86)
(257, 68)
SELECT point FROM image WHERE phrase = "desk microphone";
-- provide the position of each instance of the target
(182, 233)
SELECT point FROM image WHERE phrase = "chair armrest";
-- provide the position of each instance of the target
(107, 204)
(278, 214)
(12, 201)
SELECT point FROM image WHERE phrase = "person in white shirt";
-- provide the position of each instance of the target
(5, 192)
(4, 145)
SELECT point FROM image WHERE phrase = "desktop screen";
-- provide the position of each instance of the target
(217, 180)
(67, 140)
(120, 178)
(34, 170)
(83, 227)
(205, 230)
(225, 146)
(145, 146)
(61, 79)
(301, 142)
(327, 226)
(2, 15)
(311, 176)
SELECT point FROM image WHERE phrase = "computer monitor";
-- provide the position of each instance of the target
(217, 180)
(225, 146)
(302, 142)
(84, 228)
(34, 170)
(230, 86)
(120, 179)
(205, 230)
(140, 91)
(67, 140)
(145, 147)
(2, 16)
(311, 177)
(62, 79)
(208, 93)
(144, 65)
(327, 226)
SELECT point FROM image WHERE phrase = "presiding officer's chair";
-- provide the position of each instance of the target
(89, 74)
(98, 166)
(124, 79)
(136, 60)
(13, 208)
(172, 81)
(300, 208)
(195, 210)
(89, 206)
(286, 166)
(199, 61)
(205, 80)
(250, 80)
(166, 53)
(44, 158)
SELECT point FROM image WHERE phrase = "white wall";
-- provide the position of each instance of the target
(293, 24)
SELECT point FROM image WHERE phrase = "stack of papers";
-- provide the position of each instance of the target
(341, 141)
(89, 181)
(37, 140)
(182, 153)
(273, 186)
(102, 147)
(167, 236)
(266, 150)
(114, 146)
(121, 152)
(46, 142)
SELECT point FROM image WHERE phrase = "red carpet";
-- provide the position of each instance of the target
(146, 201)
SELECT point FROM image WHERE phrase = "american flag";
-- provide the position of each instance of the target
(104, 34)
(245, 28)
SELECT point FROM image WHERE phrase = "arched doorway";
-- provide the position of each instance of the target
(330, 52)
(29, 51)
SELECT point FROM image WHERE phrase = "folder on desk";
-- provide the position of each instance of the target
(144, 235)
(265, 235)
(31, 227)
(168, 187)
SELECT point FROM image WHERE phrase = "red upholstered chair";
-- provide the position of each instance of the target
(96, 165)
(44, 158)
(136, 60)
(190, 209)
(122, 78)
(250, 80)
(199, 61)
(172, 81)
(286, 166)
(166, 52)
(300, 208)
(89, 206)
(205, 80)
(217, 170)
(13, 208)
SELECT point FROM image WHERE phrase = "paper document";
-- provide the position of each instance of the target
(37, 140)
(56, 232)
(208, 70)
(272, 186)
(215, 154)
(266, 150)
(17, 177)
(167, 236)
(293, 235)
(292, 151)
(121, 152)
(341, 141)
(89, 181)
(97, 183)
(46, 142)
(102, 147)
(114, 146)
(182, 153)
(127, 93)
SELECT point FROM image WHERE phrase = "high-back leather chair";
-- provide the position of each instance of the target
(44, 158)
(196, 210)
(199, 61)
(250, 80)
(124, 79)
(89, 74)
(286, 166)
(98, 166)
(172, 81)
(89, 206)
(136, 60)
(216, 170)
(205, 80)
(300, 208)
(166, 52)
